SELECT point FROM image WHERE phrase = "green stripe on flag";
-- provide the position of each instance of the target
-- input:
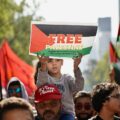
(64, 53)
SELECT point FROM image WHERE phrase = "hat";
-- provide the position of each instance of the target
(47, 92)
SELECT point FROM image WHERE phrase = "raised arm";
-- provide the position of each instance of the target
(42, 77)
(77, 83)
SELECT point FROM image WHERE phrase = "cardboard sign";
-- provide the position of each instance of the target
(61, 40)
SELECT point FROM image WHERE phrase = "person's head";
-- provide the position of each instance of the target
(48, 102)
(83, 105)
(54, 65)
(15, 109)
(16, 88)
(106, 96)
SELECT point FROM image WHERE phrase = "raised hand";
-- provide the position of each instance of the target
(77, 62)
(43, 60)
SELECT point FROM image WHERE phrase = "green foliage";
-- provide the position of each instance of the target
(15, 27)
(21, 40)
(8, 9)
(118, 49)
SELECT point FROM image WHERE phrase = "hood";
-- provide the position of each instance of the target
(23, 90)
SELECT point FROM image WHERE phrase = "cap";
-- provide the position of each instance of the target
(47, 92)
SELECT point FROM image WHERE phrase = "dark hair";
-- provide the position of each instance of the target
(81, 94)
(15, 83)
(38, 66)
(100, 94)
(13, 103)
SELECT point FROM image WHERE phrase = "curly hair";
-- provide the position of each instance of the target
(100, 94)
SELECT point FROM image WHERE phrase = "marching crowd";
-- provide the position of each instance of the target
(60, 96)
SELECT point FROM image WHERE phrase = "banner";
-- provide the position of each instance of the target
(61, 40)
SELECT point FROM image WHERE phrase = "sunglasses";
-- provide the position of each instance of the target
(116, 96)
(86, 106)
(16, 90)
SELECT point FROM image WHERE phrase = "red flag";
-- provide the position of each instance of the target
(2, 69)
(113, 53)
(13, 66)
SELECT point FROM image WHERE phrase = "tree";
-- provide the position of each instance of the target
(8, 9)
(15, 26)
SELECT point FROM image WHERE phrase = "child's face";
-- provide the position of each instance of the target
(54, 65)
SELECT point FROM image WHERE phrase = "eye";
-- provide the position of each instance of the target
(54, 103)
(50, 60)
(58, 60)
(41, 105)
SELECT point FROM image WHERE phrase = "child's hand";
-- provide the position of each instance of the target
(43, 60)
(77, 62)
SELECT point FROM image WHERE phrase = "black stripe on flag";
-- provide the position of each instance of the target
(85, 30)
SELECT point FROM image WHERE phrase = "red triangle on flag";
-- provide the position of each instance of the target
(113, 53)
(39, 40)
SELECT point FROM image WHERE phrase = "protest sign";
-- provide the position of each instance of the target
(61, 40)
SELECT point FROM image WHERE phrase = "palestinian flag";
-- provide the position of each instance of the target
(113, 53)
(115, 62)
(61, 40)
(118, 36)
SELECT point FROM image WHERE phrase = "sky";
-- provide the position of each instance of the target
(76, 11)
(79, 11)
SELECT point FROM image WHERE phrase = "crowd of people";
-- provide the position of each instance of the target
(60, 96)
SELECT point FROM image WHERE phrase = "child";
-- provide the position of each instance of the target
(50, 73)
